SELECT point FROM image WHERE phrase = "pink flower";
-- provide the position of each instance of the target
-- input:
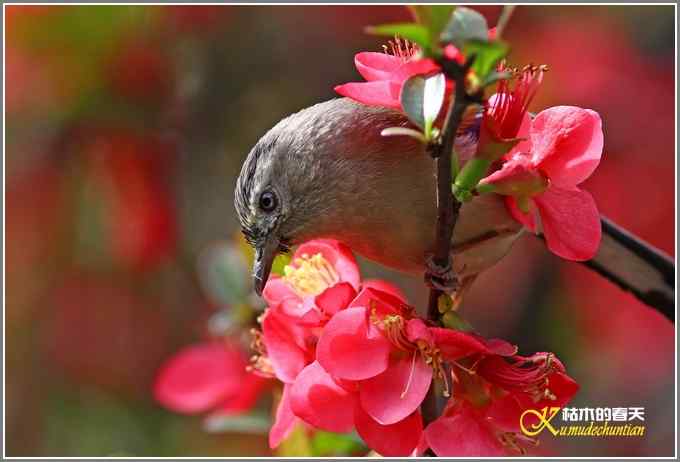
(320, 282)
(541, 176)
(360, 381)
(385, 75)
(367, 364)
(506, 111)
(322, 278)
(483, 417)
(379, 360)
(208, 376)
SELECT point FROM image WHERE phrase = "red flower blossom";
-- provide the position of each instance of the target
(541, 175)
(317, 287)
(483, 417)
(506, 111)
(208, 376)
(385, 74)
(322, 279)
(367, 362)
(382, 360)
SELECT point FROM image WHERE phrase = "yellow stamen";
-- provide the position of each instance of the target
(310, 275)
(259, 362)
(401, 48)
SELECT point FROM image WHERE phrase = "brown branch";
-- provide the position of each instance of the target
(447, 207)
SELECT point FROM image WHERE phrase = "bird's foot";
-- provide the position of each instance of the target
(439, 277)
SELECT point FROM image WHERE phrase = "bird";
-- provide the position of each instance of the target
(327, 172)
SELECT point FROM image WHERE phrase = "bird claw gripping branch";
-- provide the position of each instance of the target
(443, 279)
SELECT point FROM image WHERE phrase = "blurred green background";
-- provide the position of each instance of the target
(125, 129)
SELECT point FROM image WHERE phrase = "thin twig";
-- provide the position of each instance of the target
(447, 211)
(503, 19)
(447, 206)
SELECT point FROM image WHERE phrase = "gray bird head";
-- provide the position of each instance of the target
(284, 186)
(326, 171)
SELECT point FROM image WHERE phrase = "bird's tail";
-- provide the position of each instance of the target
(636, 266)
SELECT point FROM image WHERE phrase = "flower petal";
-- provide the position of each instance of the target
(296, 307)
(376, 66)
(284, 421)
(322, 403)
(571, 223)
(337, 254)
(397, 392)
(382, 303)
(517, 177)
(462, 434)
(351, 349)
(398, 439)
(505, 412)
(567, 143)
(250, 389)
(501, 347)
(276, 290)
(384, 286)
(416, 330)
(408, 70)
(199, 377)
(376, 93)
(335, 298)
(284, 351)
(455, 344)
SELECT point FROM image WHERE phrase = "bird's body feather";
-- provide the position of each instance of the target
(334, 175)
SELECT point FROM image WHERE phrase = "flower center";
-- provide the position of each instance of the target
(433, 358)
(511, 104)
(394, 329)
(259, 362)
(525, 374)
(310, 275)
(401, 48)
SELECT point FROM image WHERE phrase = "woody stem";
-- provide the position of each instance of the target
(447, 206)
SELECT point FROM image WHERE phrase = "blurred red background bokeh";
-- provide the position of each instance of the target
(125, 130)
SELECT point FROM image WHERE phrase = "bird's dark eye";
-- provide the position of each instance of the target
(268, 201)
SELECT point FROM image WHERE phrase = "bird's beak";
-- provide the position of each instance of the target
(264, 257)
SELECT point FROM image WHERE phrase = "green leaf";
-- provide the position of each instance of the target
(465, 25)
(414, 32)
(412, 95)
(326, 444)
(488, 54)
(466, 181)
(435, 87)
(422, 98)
(453, 320)
(434, 17)
(444, 303)
(280, 262)
(495, 76)
(298, 443)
